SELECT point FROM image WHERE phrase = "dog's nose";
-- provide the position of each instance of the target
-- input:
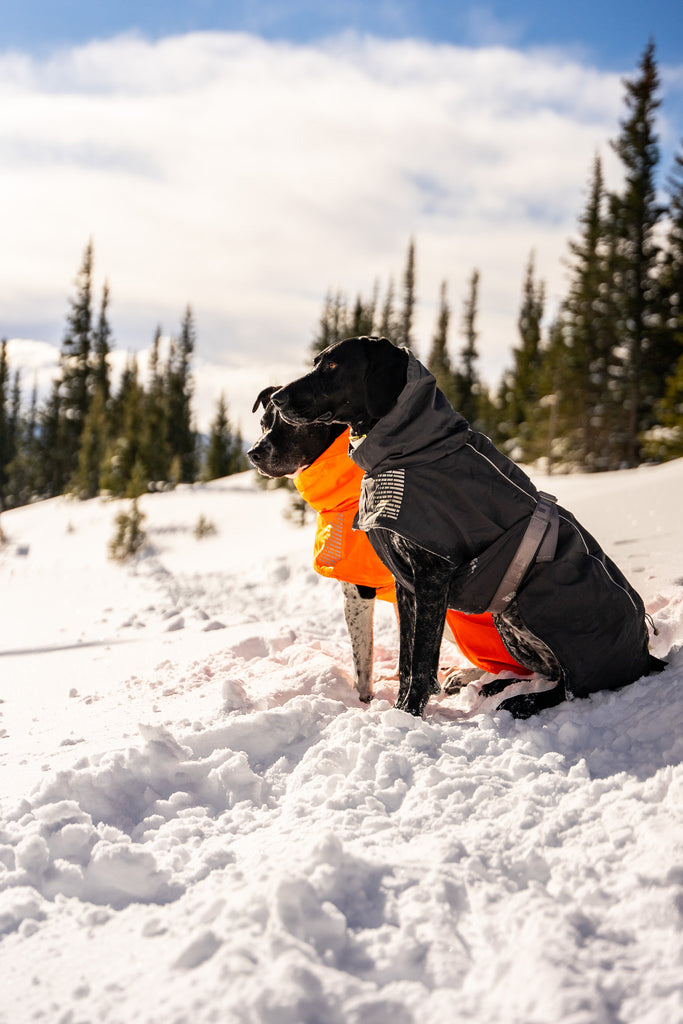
(255, 453)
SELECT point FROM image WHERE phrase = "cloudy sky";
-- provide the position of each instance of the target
(247, 157)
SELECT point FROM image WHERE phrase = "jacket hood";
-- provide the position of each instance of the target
(420, 428)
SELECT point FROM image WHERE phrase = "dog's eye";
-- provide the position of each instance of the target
(331, 366)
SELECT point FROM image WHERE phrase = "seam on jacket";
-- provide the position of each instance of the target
(468, 444)
(600, 563)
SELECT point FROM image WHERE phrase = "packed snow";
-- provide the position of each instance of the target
(199, 821)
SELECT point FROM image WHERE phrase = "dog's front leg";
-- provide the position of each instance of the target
(424, 614)
(359, 607)
(405, 604)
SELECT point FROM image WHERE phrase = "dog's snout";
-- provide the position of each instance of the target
(256, 453)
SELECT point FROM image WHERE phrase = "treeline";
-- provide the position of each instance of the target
(601, 386)
(91, 437)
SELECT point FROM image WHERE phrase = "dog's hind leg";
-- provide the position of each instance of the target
(359, 608)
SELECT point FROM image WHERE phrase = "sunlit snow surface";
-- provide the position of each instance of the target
(200, 822)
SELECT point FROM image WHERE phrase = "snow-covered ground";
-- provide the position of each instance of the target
(200, 822)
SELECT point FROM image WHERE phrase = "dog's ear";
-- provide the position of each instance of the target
(385, 376)
(264, 397)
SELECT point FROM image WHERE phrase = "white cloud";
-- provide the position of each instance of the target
(247, 177)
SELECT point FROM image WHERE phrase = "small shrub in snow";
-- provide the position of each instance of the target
(129, 535)
(204, 528)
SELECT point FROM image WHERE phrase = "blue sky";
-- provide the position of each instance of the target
(248, 174)
(608, 33)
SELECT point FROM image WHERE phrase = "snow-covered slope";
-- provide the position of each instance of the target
(200, 822)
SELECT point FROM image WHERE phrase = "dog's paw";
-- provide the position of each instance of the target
(458, 678)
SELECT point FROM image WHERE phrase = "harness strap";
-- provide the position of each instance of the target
(538, 543)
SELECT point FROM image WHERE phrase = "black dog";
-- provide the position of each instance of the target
(461, 526)
(284, 449)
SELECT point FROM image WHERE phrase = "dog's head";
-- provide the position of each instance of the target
(284, 449)
(354, 382)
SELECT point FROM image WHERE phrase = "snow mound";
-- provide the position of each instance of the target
(208, 824)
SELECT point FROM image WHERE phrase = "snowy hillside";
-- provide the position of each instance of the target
(200, 822)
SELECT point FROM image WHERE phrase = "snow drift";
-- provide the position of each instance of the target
(199, 821)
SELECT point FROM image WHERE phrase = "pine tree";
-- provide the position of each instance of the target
(23, 469)
(586, 366)
(521, 386)
(639, 214)
(408, 311)
(75, 363)
(439, 361)
(4, 422)
(181, 435)
(388, 326)
(672, 271)
(123, 470)
(467, 382)
(155, 447)
(93, 449)
(363, 319)
(224, 455)
(53, 467)
(101, 349)
(334, 323)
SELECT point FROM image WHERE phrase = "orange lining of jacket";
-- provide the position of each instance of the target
(331, 486)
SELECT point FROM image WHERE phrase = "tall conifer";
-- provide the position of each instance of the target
(408, 310)
(639, 213)
(439, 361)
(467, 381)
(75, 363)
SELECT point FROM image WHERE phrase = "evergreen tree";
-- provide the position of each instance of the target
(388, 326)
(224, 455)
(123, 471)
(93, 449)
(408, 312)
(586, 366)
(467, 382)
(439, 361)
(672, 277)
(181, 435)
(334, 323)
(363, 320)
(52, 446)
(522, 385)
(22, 471)
(75, 363)
(155, 447)
(101, 349)
(4, 422)
(639, 214)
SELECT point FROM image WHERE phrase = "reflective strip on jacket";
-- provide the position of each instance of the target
(331, 486)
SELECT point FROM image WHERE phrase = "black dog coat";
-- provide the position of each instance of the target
(445, 487)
